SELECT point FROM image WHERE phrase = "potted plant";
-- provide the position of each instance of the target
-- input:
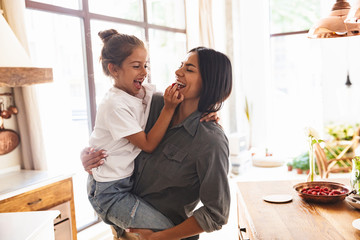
(289, 166)
(301, 163)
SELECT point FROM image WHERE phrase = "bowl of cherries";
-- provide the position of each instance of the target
(322, 192)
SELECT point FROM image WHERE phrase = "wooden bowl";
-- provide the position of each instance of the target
(323, 198)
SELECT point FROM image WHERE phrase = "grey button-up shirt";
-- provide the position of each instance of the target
(189, 165)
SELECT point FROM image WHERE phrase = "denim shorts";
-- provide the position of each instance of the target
(117, 206)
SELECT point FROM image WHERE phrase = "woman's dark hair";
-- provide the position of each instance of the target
(117, 47)
(216, 74)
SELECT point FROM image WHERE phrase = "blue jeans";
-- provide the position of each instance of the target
(117, 206)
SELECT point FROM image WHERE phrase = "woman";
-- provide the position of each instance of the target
(191, 162)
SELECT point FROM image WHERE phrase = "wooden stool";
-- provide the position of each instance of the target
(340, 163)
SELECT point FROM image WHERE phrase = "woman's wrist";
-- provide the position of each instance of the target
(160, 236)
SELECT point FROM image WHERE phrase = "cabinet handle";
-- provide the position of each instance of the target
(241, 237)
(34, 202)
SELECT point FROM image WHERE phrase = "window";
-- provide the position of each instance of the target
(295, 90)
(293, 16)
(296, 65)
(63, 35)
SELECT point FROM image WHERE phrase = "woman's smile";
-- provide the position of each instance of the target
(180, 84)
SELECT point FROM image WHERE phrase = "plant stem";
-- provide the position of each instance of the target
(311, 159)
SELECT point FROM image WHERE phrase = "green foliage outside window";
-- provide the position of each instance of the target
(294, 15)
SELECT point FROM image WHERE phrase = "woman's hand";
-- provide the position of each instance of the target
(91, 158)
(207, 117)
(146, 234)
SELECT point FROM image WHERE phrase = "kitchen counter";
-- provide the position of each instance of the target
(293, 220)
(32, 191)
(18, 182)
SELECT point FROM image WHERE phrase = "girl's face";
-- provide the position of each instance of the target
(132, 73)
(188, 78)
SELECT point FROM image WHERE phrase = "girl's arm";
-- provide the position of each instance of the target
(148, 142)
(188, 228)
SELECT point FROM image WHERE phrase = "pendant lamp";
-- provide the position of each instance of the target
(343, 21)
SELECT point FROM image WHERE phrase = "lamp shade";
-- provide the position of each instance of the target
(341, 22)
(15, 65)
(353, 19)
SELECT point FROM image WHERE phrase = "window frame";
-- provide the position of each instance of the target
(86, 17)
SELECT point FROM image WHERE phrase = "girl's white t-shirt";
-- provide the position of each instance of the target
(119, 115)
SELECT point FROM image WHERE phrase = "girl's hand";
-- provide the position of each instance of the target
(91, 158)
(172, 97)
(212, 116)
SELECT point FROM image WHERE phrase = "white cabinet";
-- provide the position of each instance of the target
(37, 225)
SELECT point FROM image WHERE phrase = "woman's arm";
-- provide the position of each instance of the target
(212, 168)
(188, 228)
(91, 158)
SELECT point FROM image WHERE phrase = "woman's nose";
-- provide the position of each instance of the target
(179, 72)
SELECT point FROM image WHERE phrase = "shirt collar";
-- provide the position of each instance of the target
(191, 123)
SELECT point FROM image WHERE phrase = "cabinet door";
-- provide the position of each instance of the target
(65, 212)
(243, 228)
(63, 230)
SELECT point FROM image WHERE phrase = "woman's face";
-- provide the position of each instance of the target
(188, 78)
(133, 71)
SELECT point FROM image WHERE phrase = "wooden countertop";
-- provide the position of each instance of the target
(17, 182)
(296, 219)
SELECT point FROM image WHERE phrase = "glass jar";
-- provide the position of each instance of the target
(355, 175)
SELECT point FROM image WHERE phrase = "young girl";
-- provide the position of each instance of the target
(119, 129)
